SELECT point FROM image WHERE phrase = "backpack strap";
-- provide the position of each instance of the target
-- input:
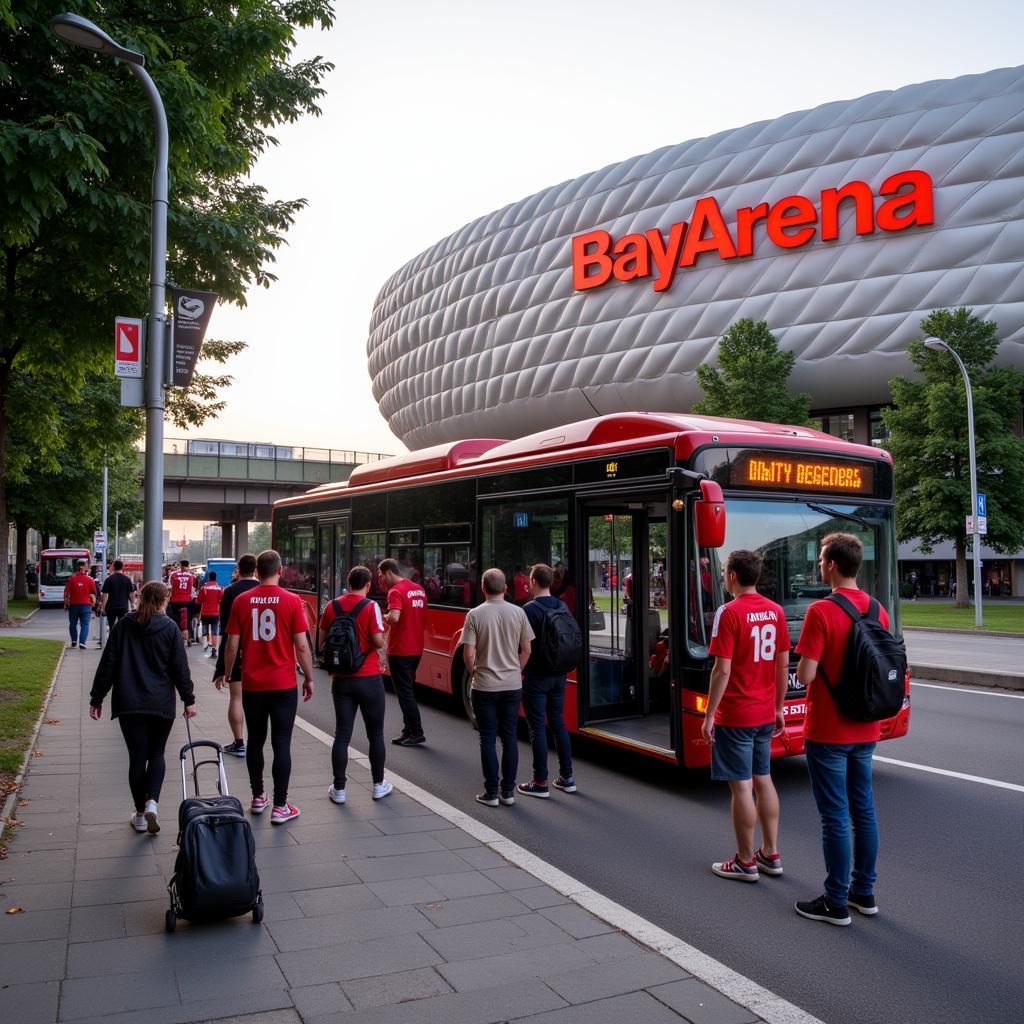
(358, 607)
(848, 606)
(874, 611)
(336, 605)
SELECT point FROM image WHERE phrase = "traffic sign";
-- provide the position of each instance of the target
(982, 525)
(99, 541)
(982, 509)
(127, 347)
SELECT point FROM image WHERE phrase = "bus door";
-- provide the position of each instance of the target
(332, 569)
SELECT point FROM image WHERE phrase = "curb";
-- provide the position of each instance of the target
(967, 677)
(8, 806)
(961, 632)
(749, 994)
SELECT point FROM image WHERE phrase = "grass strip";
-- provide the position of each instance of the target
(1003, 618)
(26, 668)
(21, 607)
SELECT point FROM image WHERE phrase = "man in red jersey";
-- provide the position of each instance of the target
(269, 625)
(79, 599)
(361, 687)
(209, 596)
(750, 642)
(407, 604)
(183, 589)
(839, 750)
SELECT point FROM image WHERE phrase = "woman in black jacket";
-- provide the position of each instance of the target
(144, 662)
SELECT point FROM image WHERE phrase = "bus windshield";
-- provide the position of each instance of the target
(57, 569)
(787, 535)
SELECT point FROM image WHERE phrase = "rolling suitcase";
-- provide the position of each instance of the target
(215, 872)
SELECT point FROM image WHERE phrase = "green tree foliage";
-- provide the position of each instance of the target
(259, 538)
(76, 162)
(929, 441)
(752, 378)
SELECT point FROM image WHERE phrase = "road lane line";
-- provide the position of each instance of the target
(953, 775)
(759, 1000)
(967, 689)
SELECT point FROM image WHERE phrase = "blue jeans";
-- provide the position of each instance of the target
(542, 696)
(497, 714)
(841, 783)
(78, 622)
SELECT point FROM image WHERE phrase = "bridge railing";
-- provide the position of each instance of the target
(199, 458)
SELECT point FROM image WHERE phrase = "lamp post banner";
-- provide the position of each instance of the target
(192, 311)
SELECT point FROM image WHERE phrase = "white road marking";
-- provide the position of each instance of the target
(953, 775)
(969, 689)
(766, 1004)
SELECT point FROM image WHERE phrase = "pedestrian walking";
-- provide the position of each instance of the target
(750, 644)
(183, 592)
(351, 634)
(142, 666)
(405, 620)
(231, 676)
(209, 598)
(839, 750)
(544, 679)
(79, 600)
(268, 625)
(117, 594)
(496, 646)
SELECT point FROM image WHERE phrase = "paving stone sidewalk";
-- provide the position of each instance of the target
(377, 912)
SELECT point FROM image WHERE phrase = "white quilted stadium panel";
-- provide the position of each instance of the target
(484, 335)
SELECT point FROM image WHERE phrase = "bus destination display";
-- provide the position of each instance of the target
(783, 472)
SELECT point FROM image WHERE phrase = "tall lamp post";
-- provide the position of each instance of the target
(79, 31)
(940, 346)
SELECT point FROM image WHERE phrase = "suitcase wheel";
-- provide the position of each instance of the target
(170, 920)
(257, 913)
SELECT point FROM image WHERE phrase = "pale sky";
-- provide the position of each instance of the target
(440, 111)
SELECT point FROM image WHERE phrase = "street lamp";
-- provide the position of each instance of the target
(938, 345)
(79, 31)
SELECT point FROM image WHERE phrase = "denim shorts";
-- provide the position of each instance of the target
(213, 622)
(740, 752)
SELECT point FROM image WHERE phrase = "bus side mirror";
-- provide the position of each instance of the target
(710, 515)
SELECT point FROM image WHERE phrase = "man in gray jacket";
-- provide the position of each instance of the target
(496, 646)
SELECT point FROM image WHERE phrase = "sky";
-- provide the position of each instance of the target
(439, 111)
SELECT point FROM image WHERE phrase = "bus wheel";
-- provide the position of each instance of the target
(467, 698)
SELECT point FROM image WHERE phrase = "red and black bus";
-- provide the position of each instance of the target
(635, 513)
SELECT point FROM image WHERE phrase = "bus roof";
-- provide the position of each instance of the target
(683, 431)
(64, 552)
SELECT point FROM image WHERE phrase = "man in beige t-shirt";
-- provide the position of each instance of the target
(496, 646)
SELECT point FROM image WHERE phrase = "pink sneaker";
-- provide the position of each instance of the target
(259, 804)
(279, 815)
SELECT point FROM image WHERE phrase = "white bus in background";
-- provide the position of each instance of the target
(56, 566)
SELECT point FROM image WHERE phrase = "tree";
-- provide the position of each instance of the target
(929, 441)
(75, 141)
(259, 538)
(752, 379)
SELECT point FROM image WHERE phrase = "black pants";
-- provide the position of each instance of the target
(146, 737)
(276, 708)
(113, 614)
(497, 715)
(403, 675)
(367, 694)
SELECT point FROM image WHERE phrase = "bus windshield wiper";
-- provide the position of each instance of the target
(840, 515)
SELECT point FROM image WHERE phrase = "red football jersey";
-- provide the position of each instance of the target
(823, 639)
(368, 622)
(406, 635)
(750, 631)
(265, 620)
(183, 586)
(80, 589)
(209, 599)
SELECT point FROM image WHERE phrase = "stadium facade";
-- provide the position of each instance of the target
(841, 226)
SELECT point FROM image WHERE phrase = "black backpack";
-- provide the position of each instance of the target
(560, 644)
(871, 686)
(342, 653)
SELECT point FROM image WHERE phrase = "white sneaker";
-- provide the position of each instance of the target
(152, 823)
(381, 789)
(336, 795)
(139, 823)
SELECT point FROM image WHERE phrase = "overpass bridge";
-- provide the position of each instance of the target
(235, 483)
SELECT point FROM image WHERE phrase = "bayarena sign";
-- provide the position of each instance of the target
(840, 226)
(788, 224)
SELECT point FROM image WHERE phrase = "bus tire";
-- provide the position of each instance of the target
(467, 698)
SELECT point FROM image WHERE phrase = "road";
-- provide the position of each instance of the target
(948, 943)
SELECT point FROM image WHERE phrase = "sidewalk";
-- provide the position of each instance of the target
(381, 912)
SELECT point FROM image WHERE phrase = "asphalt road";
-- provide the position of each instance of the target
(948, 943)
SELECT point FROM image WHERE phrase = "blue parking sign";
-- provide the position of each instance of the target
(982, 505)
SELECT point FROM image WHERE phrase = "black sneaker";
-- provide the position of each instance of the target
(508, 797)
(819, 910)
(409, 741)
(488, 799)
(534, 788)
(398, 740)
(236, 748)
(864, 904)
(565, 785)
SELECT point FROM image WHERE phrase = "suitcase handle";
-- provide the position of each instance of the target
(190, 747)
